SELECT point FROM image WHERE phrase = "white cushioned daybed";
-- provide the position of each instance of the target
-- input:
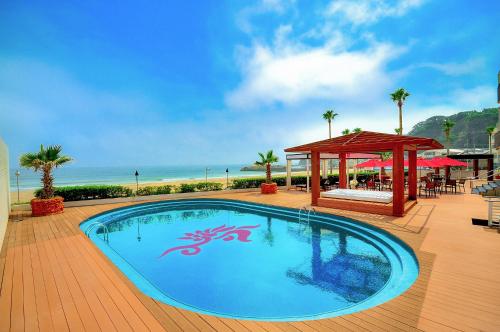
(359, 195)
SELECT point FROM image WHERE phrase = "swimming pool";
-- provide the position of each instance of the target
(250, 261)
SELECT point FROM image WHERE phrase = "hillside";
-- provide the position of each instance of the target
(469, 130)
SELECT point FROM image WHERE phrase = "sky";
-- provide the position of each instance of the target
(121, 83)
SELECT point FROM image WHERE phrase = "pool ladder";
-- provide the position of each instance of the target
(308, 210)
(98, 225)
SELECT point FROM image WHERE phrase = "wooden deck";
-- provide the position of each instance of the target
(55, 279)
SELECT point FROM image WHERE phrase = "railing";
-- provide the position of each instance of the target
(485, 176)
(98, 224)
(493, 211)
(307, 210)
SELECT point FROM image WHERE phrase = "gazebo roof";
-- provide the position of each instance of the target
(368, 141)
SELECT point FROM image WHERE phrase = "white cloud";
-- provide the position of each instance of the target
(369, 11)
(455, 68)
(244, 17)
(291, 73)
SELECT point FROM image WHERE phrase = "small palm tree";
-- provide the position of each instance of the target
(399, 96)
(357, 130)
(490, 131)
(45, 161)
(346, 132)
(447, 125)
(267, 160)
(397, 131)
(329, 115)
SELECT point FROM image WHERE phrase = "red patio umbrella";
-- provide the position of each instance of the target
(370, 164)
(421, 162)
(445, 161)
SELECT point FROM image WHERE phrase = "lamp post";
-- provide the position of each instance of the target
(206, 178)
(227, 178)
(136, 181)
(17, 183)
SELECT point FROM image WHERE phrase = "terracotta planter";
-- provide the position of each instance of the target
(44, 207)
(268, 188)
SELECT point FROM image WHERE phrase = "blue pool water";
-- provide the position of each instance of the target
(250, 261)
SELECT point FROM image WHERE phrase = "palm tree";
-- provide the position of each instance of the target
(45, 161)
(397, 131)
(346, 132)
(399, 96)
(357, 130)
(267, 160)
(447, 125)
(490, 131)
(329, 115)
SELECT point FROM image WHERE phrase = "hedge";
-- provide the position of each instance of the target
(244, 183)
(201, 186)
(155, 190)
(79, 193)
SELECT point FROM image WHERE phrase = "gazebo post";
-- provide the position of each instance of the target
(490, 169)
(342, 171)
(398, 184)
(475, 167)
(315, 177)
(288, 174)
(412, 174)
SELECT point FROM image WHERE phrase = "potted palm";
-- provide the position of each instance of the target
(269, 187)
(45, 161)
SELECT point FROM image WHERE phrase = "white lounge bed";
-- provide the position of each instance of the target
(359, 195)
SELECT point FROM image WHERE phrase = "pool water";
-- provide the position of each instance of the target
(249, 261)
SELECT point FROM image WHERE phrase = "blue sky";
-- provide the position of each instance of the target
(213, 82)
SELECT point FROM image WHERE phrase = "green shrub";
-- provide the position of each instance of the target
(209, 186)
(187, 188)
(155, 190)
(79, 193)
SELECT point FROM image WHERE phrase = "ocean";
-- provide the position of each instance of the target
(74, 175)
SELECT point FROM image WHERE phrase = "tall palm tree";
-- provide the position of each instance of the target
(267, 160)
(447, 125)
(346, 132)
(329, 115)
(490, 131)
(399, 96)
(45, 161)
(357, 130)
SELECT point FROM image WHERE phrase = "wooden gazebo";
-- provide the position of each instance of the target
(370, 142)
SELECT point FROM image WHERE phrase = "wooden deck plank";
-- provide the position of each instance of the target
(130, 306)
(49, 271)
(17, 310)
(55, 305)
(41, 298)
(6, 291)
(29, 299)
(68, 305)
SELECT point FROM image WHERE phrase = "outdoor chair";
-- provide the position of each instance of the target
(461, 183)
(387, 184)
(301, 186)
(326, 185)
(438, 184)
(452, 184)
(428, 187)
(371, 185)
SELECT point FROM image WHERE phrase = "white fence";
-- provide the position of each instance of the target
(4, 189)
